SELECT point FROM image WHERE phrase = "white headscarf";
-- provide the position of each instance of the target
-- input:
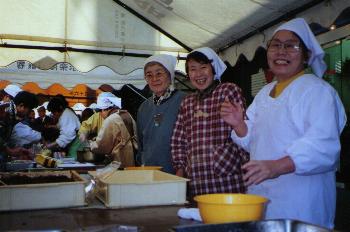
(168, 61)
(218, 64)
(302, 29)
(106, 100)
(12, 90)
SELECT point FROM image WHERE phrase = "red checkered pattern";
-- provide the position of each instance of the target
(202, 146)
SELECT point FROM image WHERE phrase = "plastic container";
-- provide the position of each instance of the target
(144, 168)
(230, 207)
(42, 195)
(141, 188)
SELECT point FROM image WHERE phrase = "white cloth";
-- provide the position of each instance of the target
(12, 90)
(23, 134)
(168, 61)
(68, 124)
(304, 122)
(218, 64)
(189, 213)
(302, 29)
(106, 100)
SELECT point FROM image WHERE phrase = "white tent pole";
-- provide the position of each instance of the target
(136, 92)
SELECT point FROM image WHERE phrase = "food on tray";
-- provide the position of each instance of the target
(46, 161)
(46, 152)
(18, 178)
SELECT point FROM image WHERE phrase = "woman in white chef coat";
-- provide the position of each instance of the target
(292, 131)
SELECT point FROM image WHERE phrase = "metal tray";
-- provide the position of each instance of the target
(19, 165)
(257, 226)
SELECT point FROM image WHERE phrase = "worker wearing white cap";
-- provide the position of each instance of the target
(93, 124)
(117, 136)
(156, 116)
(12, 90)
(292, 131)
(8, 94)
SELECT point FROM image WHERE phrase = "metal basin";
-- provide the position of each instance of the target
(257, 226)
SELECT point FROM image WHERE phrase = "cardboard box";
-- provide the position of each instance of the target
(141, 188)
(41, 195)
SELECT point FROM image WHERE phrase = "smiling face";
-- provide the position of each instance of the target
(285, 60)
(201, 74)
(157, 77)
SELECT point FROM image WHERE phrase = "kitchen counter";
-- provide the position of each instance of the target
(147, 219)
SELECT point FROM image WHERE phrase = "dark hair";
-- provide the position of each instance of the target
(28, 100)
(200, 58)
(50, 133)
(41, 108)
(63, 99)
(56, 104)
(86, 113)
(3, 94)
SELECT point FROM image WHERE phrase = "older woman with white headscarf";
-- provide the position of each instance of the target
(156, 116)
(201, 146)
(292, 131)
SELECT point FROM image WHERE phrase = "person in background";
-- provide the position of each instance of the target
(67, 122)
(201, 147)
(157, 115)
(23, 134)
(8, 94)
(292, 131)
(117, 136)
(91, 126)
(24, 101)
(31, 118)
(42, 120)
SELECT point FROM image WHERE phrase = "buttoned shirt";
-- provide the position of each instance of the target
(201, 143)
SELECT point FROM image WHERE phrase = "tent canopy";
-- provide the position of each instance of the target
(120, 34)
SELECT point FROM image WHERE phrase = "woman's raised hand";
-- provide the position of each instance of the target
(232, 113)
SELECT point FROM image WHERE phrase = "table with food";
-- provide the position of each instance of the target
(134, 199)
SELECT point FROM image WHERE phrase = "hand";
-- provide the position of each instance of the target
(180, 172)
(19, 153)
(82, 137)
(233, 114)
(51, 145)
(256, 171)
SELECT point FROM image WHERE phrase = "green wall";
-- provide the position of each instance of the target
(335, 57)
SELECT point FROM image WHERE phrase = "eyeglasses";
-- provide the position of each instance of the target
(157, 75)
(288, 46)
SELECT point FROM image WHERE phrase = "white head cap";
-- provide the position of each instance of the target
(302, 29)
(218, 64)
(12, 90)
(168, 61)
(106, 100)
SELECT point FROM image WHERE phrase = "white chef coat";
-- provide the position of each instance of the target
(23, 134)
(68, 124)
(304, 122)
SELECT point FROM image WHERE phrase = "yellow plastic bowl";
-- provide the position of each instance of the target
(230, 207)
(144, 168)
